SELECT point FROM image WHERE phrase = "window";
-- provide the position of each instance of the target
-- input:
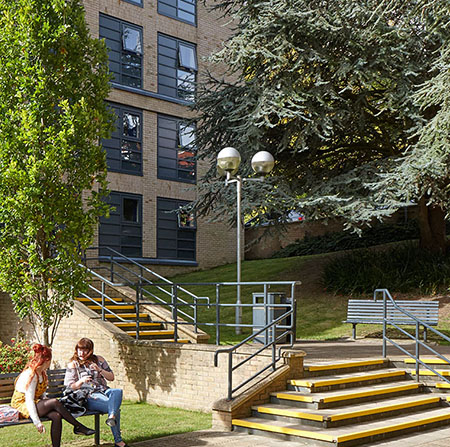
(124, 148)
(184, 10)
(124, 42)
(176, 231)
(135, 2)
(176, 150)
(177, 68)
(122, 230)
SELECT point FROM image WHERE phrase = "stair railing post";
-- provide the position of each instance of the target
(230, 375)
(195, 315)
(217, 314)
(103, 300)
(138, 298)
(384, 325)
(417, 350)
(175, 311)
(111, 268)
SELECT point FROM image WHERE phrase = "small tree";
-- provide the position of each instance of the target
(53, 83)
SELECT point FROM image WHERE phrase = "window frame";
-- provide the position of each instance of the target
(177, 149)
(179, 234)
(121, 138)
(177, 8)
(121, 223)
(117, 57)
(172, 64)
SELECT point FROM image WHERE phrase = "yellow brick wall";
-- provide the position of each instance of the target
(216, 243)
(178, 375)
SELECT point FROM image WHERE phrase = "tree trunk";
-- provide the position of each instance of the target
(432, 227)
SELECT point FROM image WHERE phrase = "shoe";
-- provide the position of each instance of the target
(125, 445)
(110, 422)
(82, 430)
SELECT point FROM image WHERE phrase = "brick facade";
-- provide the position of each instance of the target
(215, 242)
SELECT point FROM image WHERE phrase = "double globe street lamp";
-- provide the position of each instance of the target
(228, 161)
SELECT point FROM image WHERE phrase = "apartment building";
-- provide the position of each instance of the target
(157, 49)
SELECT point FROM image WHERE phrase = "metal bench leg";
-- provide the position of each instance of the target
(97, 429)
(354, 331)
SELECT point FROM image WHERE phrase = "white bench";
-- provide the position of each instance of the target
(371, 312)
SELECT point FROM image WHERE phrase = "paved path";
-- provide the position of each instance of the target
(316, 352)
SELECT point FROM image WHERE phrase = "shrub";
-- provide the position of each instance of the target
(14, 357)
(344, 240)
(402, 268)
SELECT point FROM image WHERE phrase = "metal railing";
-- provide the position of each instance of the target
(418, 343)
(142, 283)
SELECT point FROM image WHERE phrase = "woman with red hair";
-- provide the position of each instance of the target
(27, 398)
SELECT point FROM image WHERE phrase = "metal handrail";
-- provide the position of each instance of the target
(141, 279)
(419, 343)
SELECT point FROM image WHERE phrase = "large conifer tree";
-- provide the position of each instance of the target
(343, 93)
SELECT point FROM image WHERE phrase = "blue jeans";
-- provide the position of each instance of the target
(108, 402)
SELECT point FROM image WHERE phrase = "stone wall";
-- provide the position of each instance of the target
(179, 375)
(10, 324)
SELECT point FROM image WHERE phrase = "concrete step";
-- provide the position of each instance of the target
(348, 435)
(127, 316)
(349, 414)
(346, 396)
(160, 334)
(132, 324)
(98, 300)
(340, 381)
(116, 307)
(327, 368)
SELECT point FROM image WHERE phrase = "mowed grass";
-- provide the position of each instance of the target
(139, 422)
(320, 314)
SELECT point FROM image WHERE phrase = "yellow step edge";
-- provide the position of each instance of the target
(113, 307)
(142, 323)
(97, 300)
(343, 365)
(290, 413)
(125, 316)
(298, 398)
(442, 385)
(328, 382)
(155, 333)
(180, 340)
(357, 395)
(432, 360)
(381, 409)
(391, 428)
(426, 372)
(283, 430)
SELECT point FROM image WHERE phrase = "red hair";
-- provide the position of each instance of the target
(85, 343)
(41, 355)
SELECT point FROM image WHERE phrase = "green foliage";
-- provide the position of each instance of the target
(330, 242)
(403, 268)
(331, 88)
(53, 83)
(14, 357)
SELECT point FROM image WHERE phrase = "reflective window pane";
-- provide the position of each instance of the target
(186, 135)
(187, 57)
(131, 125)
(131, 39)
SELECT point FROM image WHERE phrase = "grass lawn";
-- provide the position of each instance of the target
(139, 421)
(319, 313)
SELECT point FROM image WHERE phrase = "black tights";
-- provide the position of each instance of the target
(56, 412)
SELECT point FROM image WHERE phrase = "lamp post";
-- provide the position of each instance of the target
(228, 161)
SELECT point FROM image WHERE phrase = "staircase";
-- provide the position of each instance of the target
(350, 403)
(121, 312)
